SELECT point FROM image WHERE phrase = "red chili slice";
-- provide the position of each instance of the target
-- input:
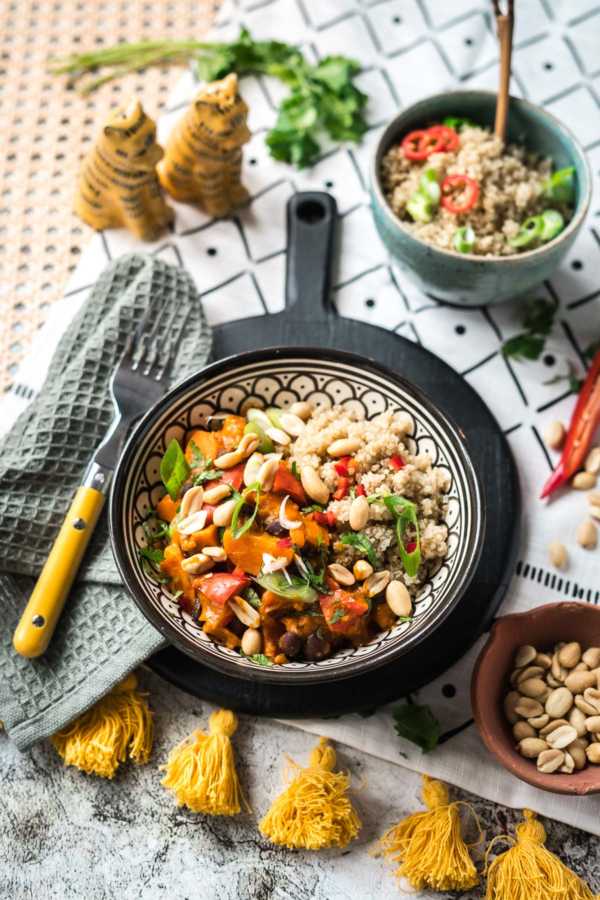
(341, 466)
(413, 146)
(411, 546)
(447, 138)
(422, 143)
(360, 491)
(459, 193)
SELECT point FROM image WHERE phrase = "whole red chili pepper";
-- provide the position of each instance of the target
(584, 421)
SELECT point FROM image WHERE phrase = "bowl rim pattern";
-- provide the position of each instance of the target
(272, 357)
(390, 133)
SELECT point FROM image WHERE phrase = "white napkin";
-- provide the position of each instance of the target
(409, 49)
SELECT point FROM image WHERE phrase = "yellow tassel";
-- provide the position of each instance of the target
(528, 871)
(120, 725)
(201, 769)
(429, 845)
(314, 811)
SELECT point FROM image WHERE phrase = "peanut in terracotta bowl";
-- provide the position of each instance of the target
(541, 627)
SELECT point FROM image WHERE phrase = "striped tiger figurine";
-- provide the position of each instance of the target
(118, 184)
(203, 156)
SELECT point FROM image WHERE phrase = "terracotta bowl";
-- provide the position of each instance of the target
(542, 628)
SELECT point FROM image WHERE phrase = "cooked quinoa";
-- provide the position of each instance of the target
(385, 436)
(510, 180)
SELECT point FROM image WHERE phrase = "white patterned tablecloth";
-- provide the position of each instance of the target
(408, 49)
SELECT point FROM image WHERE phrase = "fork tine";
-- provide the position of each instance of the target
(161, 340)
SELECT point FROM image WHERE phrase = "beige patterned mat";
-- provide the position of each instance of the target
(47, 129)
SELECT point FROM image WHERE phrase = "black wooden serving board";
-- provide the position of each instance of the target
(310, 320)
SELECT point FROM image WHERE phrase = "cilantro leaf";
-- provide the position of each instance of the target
(259, 658)
(241, 501)
(418, 725)
(524, 346)
(251, 596)
(174, 469)
(362, 544)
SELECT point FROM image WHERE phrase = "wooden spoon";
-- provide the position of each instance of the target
(504, 27)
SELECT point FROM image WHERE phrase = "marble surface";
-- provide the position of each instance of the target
(66, 836)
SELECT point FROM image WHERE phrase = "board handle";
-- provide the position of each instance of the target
(311, 220)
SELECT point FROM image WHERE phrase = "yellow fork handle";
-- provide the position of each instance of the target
(37, 624)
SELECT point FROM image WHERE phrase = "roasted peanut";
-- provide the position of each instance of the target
(554, 435)
(532, 747)
(197, 564)
(191, 501)
(592, 461)
(569, 655)
(558, 555)
(341, 574)
(343, 447)
(362, 569)
(398, 599)
(359, 513)
(313, 484)
(550, 760)
(223, 513)
(192, 523)
(561, 737)
(559, 702)
(583, 481)
(377, 583)
(525, 656)
(587, 535)
(251, 642)
(217, 493)
(302, 409)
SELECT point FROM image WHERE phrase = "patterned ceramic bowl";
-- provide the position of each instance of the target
(280, 376)
(464, 278)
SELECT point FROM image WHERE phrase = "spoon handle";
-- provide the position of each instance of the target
(504, 26)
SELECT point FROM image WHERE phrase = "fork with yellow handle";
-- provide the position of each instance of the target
(139, 380)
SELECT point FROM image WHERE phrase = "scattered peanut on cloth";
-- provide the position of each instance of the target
(554, 706)
(586, 534)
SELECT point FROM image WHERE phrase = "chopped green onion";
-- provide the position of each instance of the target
(419, 208)
(560, 186)
(429, 186)
(238, 532)
(457, 122)
(294, 589)
(405, 514)
(552, 224)
(530, 232)
(266, 444)
(464, 239)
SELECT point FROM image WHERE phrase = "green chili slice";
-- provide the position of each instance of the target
(294, 589)
(560, 186)
(458, 122)
(405, 514)
(464, 239)
(266, 444)
(529, 233)
(419, 208)
(429, 186)
(552, 224)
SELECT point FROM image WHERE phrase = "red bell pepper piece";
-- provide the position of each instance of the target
(342, 489)
(327, 519)
(396, 462)
(233, 477)
(341, 466)
(360, 491)
(583, 424)
(222, 586)
(286, 483)
(459, 193)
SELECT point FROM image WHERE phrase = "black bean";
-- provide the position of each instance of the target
(316, 648)
(290, 644)
(276, 528)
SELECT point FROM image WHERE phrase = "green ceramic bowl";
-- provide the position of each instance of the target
(463, 278)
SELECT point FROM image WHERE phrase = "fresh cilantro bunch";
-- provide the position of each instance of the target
(322, 99)
(322, 96)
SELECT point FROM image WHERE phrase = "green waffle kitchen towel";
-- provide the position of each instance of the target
(101, 635)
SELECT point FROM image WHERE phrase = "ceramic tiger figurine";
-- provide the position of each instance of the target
(203, 156)
(118, 184)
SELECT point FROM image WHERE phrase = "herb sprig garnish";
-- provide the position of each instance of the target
(201, 466)
(322, 98)
(362, 544)
(418, 725)
(538, 322)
